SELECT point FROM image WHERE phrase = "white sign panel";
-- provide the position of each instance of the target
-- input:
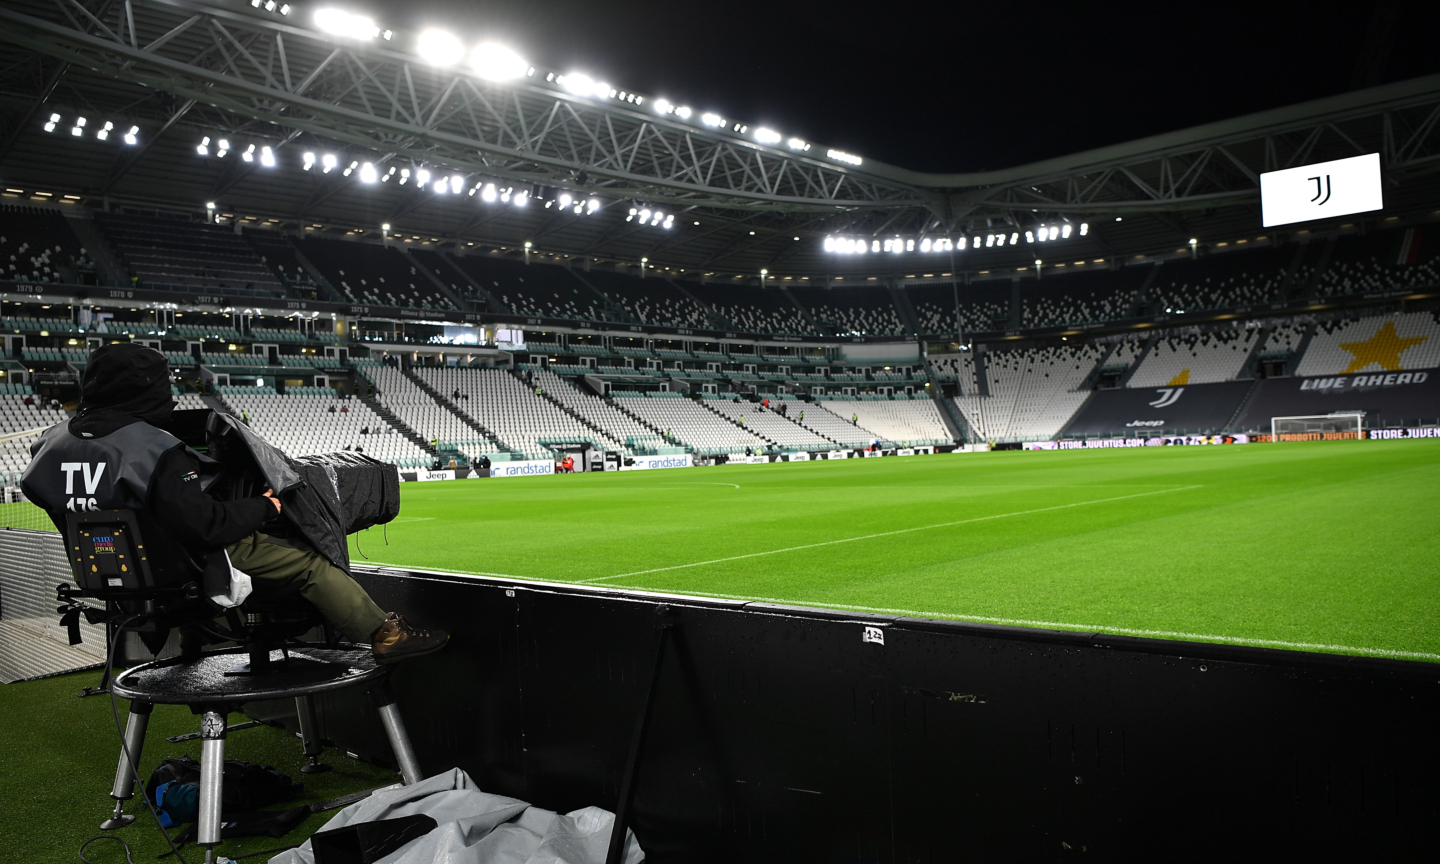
(528, 468)
(643, 463)
(1321, 190)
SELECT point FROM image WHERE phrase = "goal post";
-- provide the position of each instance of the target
(1336, 426)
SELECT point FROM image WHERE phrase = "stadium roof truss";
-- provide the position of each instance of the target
(227, 66)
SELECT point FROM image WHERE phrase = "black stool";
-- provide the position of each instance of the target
(204, 685)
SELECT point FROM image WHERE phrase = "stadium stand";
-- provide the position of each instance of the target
(752, 310)
(1084, 297)
(419, 411)
(37, 246)
(983, 307)
(544, 290)
(443, 267)
(1382, 261)
(276, 253)
(829, 424)
(519, 418)
(306, 425)
(902, 421)
(651, 300)
(15, 417)
(1221, 280)
(702, 430)
(619, 425)
(1408, 340)
(1284, 339)
(367, 273)
(769, 425)
(177, 254)
(851, 311)
(1032, 392)
(1201, 359)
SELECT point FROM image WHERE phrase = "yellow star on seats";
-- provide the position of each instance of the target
(1180, 380)
(1383, 349)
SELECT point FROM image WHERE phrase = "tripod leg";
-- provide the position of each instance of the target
(395, 731)
(212, 777)
(124, 787)
(310, 735)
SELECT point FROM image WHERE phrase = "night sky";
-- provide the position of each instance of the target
(956, 86)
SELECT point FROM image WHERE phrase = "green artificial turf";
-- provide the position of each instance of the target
(1329, 546)
(58, 760)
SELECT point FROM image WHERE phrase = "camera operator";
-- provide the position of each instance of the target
(113, 453)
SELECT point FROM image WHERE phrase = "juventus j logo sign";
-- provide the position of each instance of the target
(1168, 396)
(1321, 190)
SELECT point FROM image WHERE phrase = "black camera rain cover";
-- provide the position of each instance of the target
(325, 497)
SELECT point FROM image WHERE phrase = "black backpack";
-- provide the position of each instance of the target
(174, 789)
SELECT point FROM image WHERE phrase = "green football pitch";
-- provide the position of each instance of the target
(1326, 546)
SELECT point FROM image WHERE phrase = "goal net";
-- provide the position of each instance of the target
(1318, 427)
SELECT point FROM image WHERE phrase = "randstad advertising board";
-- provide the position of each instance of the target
(527, 468)
(646, 463)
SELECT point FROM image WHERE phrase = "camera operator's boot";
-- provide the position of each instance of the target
(396, 640)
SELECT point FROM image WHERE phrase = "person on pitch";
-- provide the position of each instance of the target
(113, 452)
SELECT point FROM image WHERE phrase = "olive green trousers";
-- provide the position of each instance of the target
(279, 569)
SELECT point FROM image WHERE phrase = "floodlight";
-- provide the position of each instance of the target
(422, 176)
(505, 196)
(487, 193)
(105, 131)
(54, 118)
(583, 85)
(829, 244)
(712, 119)
(222, 147)
(1193, 241)
(961, 243)
(494, 62)
(658, 216)
(841, 156)
(767, 136)
(644, 216)
(1030, 236)
(797, 144)
(1065, 231)
(50, 126)
(669, 221)
(564, 200)
(439, 47)
(592, 205)
(663, 107)
(309, 160)
(285, 9)
(1016, 236)
(338, 22)
(579, 208)
(79, 128)
(909, 245)
(442, 185)
(874, 245)
(683, 112)
(209, 205)
(256, 3)
(989, 240)
(249, 154)
(521, 198)
(388, 174)
(456, 184)
(1054, 232)
(329, 161)
(130, 137)
(269, 5)
(203, 148)
(385, 227)
(367, 173)
(1084, 228)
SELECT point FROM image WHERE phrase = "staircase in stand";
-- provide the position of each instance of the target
(561, 405)
(737, 424)
(400, 426)
(445, 403)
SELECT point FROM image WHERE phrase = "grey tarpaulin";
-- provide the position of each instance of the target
(478, 828)
(326, 497)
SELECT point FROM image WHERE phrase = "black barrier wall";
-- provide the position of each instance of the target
(787, 734)
(1149, 411)
(1387, 398)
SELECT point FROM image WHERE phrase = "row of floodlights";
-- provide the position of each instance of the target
(896, 245)
(643, 215)
(102, 134)
(496, 62)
